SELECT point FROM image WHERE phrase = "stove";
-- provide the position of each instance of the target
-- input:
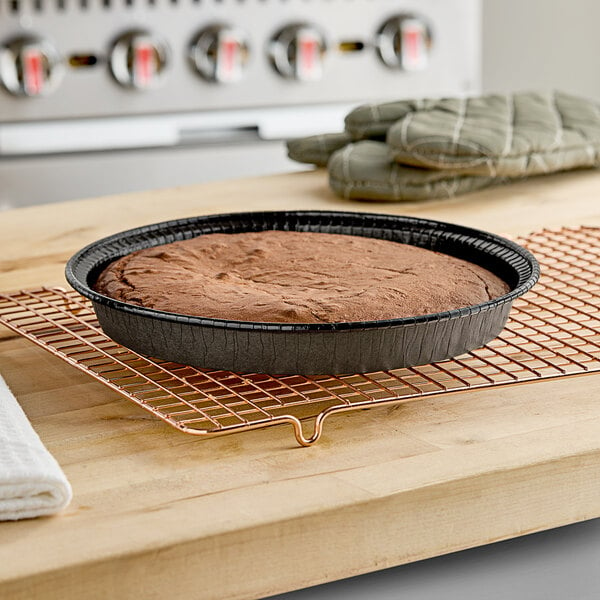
(102, 96)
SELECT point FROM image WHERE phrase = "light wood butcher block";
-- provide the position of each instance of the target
(158, 514)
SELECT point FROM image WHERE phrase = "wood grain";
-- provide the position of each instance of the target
(158, 514)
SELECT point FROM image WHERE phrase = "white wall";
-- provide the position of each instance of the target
(542, 44)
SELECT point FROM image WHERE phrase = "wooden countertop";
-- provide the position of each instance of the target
(158, 514)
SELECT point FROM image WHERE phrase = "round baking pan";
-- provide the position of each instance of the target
(308, 348)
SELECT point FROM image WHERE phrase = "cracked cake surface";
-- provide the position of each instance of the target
(296, 277)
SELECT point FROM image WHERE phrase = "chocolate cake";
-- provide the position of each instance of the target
(296, 277)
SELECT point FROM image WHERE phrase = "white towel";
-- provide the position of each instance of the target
(32, 483)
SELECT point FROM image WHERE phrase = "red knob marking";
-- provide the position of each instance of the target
(308, 51)
(230, 48)
(143, 70)
(33, 71)
(412, 41)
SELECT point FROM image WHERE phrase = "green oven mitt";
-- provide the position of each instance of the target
(317, 149)
(512, 136)
(367, 122)
(490, 138)
(363, 170)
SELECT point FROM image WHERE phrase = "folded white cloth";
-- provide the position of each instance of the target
(32, 483)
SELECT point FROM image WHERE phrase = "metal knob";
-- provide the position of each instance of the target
(404, 42)
(30, 66)
(297, 52)
(139, 60)
(220, 53)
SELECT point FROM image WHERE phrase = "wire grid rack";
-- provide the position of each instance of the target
(553, 331)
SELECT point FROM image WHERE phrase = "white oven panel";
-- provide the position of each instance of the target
(107, 96)
(65, 59)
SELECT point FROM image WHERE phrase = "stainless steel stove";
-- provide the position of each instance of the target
(102, 96)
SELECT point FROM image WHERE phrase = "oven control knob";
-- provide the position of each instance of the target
(30, 66)
(297, 52)
(220, 53)
(404, 42)
(139, 60)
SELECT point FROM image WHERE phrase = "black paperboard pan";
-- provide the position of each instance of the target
(308, 348)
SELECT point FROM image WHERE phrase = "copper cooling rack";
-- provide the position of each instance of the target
(553, 331)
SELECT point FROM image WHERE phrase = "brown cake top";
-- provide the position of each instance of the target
(296, 277)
